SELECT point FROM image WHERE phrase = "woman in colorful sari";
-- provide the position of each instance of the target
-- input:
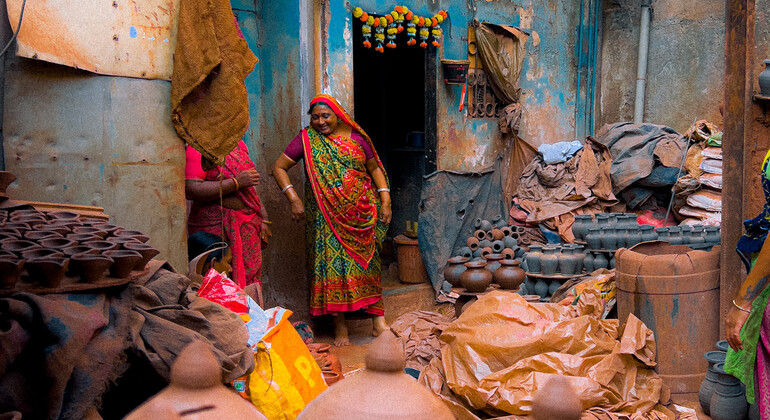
(747, 325)
(347, 210)
(225, 203)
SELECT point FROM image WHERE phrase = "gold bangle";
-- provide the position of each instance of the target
(748, 311)
(267, 222)
(237, 187)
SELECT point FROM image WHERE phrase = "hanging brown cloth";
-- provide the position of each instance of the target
(501, 49)
(209, 102)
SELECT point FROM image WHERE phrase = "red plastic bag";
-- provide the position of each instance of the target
(218, 288)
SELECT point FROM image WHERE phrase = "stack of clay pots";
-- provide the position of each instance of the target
(695, 236)
(46, 249)
(551, 266)
(492, 237)
(477, 276)
(721, 395)
(330, 365)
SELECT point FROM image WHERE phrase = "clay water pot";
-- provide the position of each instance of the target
(63, 215)
(498, 246)
(17, 246)
(473, 243)
(556, 400)
(506, 231)
(533, 258)
(10, 270)
(600, 261)
(57, 243)
(80, 249)
(454, 268)
(486, 251)
(90, 230)
(509, 276)
(648, 233)
(728, 401)
(41, 253)
(379, 392)
(36, 235)
(549, 263)
(510, 242)
(102, 246)
(708, 385)
(508, 254)
(124, 262)
(497, 234)
(609, 238)
(567, 263)
(493, 262)
(588, 262)
(594, 238)
(465, 252)
(48, 271)
(476, 278)
(82, 237)
(133, 234)
(196, 388)
(90, 267)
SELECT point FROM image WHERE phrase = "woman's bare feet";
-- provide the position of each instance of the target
(378, 325)
(340, 331)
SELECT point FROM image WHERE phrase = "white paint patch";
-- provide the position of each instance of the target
(476, 156)
(535, 38)
(534, 72)
(525, 16)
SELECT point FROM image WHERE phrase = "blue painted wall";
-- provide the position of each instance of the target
(547, 81)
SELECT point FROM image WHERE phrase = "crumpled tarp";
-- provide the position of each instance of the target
(209, 102)
(419, 333)
(501, 50)
(637, 148)
(450, 203)
(501, 349)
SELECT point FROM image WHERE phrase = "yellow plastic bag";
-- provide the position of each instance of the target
(285, 377)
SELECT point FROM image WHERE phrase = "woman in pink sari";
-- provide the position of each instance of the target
(226, 204)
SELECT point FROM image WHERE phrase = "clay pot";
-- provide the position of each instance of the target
(17, 246)
(122, 240)
(454, 268)
(133, 234)
(465, 252)
(764, 79)
(10, 270)
(663, 233)
(498, 246)
(697, 237)
(489, 237)
(21, 227)
(493, 262)
(36, 235)
(506, 231)
(486, 251)
(648, 233)
(473, 243)
(80, 249)
(728, 401)
(90, 267)
(109, 228)
(567, 262)
(556, 400)
(330, 377)
(553, 286)
(722, 345)
(509, 276)
(485, 243)
(609, 238)
(580, 226)
(476, 278)
(533, 258)
(713, 236)
(508, 254)
(631, 220)
(633, 237)
(125, 261)
(48, 271)
(600, 261)
(549, 263)
(13, 233)
(541, 287)
(594, 238)
(485, 225)
(63, 215)
(710, 382)
(82, 237)
(602, 220)
(32, 221)
(57, 243)
(41, 253)
(509, 242)
(102, 245)
(196, 383)
(60, 229)
(6, 179)
(319, 347)
(578, 255)
(588, 262)
(90, 230)
(497, 234)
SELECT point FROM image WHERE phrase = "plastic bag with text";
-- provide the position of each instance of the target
(218, 288)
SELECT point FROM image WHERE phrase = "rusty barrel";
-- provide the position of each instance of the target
(674, 290)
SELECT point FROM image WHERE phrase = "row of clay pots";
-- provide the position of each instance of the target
(612, 238)
(476, 276)
(695, 235)
(544, 288)
(584, 222)
(721, 395)
(595, 260)
(331, 367)
(550, 260)
(507, 253)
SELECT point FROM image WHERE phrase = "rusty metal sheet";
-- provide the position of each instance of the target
(133, 38)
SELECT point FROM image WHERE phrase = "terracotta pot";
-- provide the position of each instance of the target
(330, 377)
(710, 382)
(134, 234)
(122, 240)
(125, 261)
(728, 401)
(17, 246)
(497, 234)
(509, 276)
(48, 271)
(107, 227)
(533, 259)
(90, 267)
(486, 251)
(476, 278)
(36, 235)
(465, 252)
(493, 262)
(147, 252)
(57, 243)
(102, 246)
(6, 178)
(91, 230)
(41, 253)
(473, 243)
(19, 226)
(454, 268)
(319, 347)
(506, 231)
(32, 221)
(10, 271)
(508, 254)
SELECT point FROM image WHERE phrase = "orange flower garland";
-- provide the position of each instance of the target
(391, 24)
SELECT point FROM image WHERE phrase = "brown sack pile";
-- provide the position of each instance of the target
(502, 349)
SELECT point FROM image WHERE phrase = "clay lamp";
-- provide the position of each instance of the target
(133, 233)
(122, 240)
(80, 249)
(17, 246)
(11, 267)
(25, 213)
(63, 215)
(90, 230)
(60, 229)
(57, 243)
(92, 221)
(147, 252)
(125, 261)
(48, 271)
(83, 237)
(110, 229)
(37, 235)
(382, 391)
(19, 226)
(41, 253)
(90, 267)
(101, 245)
(32, 221)
(196, 391)
(9, 234)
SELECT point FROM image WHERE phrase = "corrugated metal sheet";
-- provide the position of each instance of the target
(134, 38)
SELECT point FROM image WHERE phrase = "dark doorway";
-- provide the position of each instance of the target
(392, 105)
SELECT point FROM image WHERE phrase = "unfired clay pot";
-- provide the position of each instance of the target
(196, 392)
(381, 391)
(476, 278)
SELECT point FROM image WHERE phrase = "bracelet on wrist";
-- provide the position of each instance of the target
(235, 181)
(286, 188)
(379, 190)
(267, 222)
(748, 311)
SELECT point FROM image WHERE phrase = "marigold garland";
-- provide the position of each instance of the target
(391, 24)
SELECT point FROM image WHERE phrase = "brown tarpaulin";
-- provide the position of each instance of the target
(209, 102)
(501, 50)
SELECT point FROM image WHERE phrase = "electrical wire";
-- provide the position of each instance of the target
(18, 27)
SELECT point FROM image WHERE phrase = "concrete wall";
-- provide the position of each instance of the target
(685, 68)
(547, 81)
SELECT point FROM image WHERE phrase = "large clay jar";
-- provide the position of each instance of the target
(381, 391)
(648, 233)
(609, 238)
(567, 261)
(533, 258)
(594, 238)
(549, 263)
(556, 400)
(728, 401)
(509, 276)
(493, 262)
(454, 268)
(600, 261)
(764, 79)
(476, 278)
(710, 382)
(196, 389)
